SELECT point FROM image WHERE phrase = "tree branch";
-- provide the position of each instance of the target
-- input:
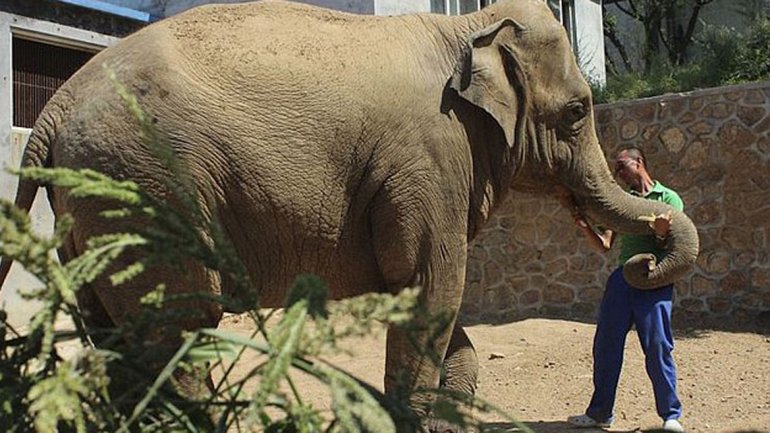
(632, 13)
(687, 37)
(612, 68)
(670, 46)
(609, 33)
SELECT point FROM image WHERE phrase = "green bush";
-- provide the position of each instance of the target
(718, 50)
(752, 60)
(661, 79)
(724, 57)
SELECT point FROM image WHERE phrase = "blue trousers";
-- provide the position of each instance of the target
(650, 311)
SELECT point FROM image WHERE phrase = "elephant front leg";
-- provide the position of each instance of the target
(413, 360)
(414, 363)
(419, 233)
(416, 353)
(457, 373)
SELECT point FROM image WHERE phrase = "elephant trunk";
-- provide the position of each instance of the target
(620, 211)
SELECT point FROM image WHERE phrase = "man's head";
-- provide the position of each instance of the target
(631, 167)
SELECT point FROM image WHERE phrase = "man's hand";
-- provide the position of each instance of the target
(662, 224)
(600, 241)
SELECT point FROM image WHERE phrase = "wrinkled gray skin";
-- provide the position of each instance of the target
(367, 150)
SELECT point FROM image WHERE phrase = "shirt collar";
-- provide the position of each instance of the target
(656, 188)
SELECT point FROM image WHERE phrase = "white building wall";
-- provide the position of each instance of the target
(589, 39)
(400, 7)
(354, 6)
(165, 8)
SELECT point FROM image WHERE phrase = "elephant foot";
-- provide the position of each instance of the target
(435, 425)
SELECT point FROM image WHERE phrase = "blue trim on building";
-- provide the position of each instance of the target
(112, 9)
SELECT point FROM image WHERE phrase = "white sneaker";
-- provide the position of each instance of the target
(673, 425)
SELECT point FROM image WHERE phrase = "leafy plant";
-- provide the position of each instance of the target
(661, 79)
(752, 60)
(722, 56)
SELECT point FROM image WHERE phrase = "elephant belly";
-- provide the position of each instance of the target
(346, 272)
(276, 248)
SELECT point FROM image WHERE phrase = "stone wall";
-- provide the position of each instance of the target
(713, 147)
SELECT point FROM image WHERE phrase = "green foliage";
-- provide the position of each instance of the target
(661, 79)
(669, 28)
(61, 396)
(725, 57)
(286, 339)
(752, 9)
(39, 390)
(706, 55)
(43, 389)
(752, 59)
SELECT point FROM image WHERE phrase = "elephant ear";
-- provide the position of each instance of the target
(490, 77)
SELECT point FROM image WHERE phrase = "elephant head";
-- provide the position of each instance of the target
(523, 74)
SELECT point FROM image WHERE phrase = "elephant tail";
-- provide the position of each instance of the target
(37, 153)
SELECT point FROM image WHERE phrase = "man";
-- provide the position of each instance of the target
(623, 306)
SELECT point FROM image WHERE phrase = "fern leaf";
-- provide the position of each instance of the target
(58, 399)
(355, 408)
(285, 341)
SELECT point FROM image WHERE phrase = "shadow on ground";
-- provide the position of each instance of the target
(564, 427)
(553, 427)
(686, 325)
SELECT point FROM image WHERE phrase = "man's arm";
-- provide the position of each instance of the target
(600, 241)
(662, 223)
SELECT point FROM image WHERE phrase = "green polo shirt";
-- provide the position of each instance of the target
(631, 245)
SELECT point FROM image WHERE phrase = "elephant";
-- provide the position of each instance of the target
(366, 150)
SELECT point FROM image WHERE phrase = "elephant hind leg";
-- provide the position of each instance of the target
(461, 365)
(148, 338)
(95, 317)
(459, 374)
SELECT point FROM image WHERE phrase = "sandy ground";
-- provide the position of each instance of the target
(539, 370)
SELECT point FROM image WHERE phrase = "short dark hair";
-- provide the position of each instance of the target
(634, 153)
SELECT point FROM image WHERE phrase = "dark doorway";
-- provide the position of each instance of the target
(39, 69)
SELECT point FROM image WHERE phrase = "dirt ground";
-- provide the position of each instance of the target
(539, 370)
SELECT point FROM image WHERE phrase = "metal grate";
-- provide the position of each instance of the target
(38, 70)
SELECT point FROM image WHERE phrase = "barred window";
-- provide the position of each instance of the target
(39, 69)
(457, 7)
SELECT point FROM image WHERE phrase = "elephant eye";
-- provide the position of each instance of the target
(573, 116)
(575, 112)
